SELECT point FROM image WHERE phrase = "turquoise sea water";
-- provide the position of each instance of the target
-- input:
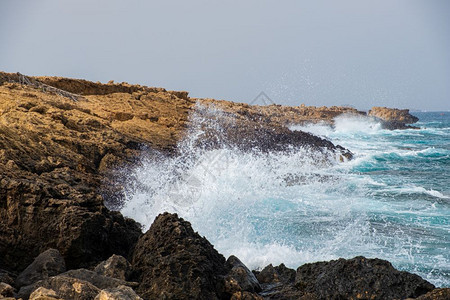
(392, 201)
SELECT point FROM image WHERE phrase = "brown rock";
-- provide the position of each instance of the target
(44, 294)
(55, 157)
(64, 287)
(116, 267)
(6, 290)
(393, 115)
(100, 281)
(436, 294)
(245, 296)
(119, 293)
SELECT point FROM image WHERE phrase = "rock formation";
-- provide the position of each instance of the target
(171, 261)
(62, 142)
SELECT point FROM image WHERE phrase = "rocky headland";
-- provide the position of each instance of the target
(61, 143)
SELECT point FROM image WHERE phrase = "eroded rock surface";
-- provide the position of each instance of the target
(393, 114)
(119, 293)
(393, 118)
(49, 263)
(116, 267)
(58, 159)
(171, 261)
(359, 278)
(64, 287)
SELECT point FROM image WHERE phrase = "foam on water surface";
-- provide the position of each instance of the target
(293, 207)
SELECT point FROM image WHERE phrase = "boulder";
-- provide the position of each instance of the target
(171, 261)
(359, 278)
(116, 267)
(65, 287)
(49, 263)
(244, 278)
(119, 293)
(44, 294)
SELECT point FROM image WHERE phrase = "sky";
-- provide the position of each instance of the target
(362, 53)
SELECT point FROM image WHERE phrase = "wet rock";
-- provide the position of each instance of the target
(171, 261)
(116, 267)
(119, 293)
(65, 287)
(6, 290)
(272, 274)
(244, 278)
(44, 294)
(254, 131)
(278, 283)
(393, 125)
(359, 278)
(100, 281)
(48, 263)
(436, 294)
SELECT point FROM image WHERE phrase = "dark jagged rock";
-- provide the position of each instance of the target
(271, 274)
(359, 278)
(49, 263)
(116, 267)
(171, 261)
(278, 283)
(244, 278)
(81, 229)
(253, 132)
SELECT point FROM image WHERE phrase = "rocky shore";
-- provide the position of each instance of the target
(61, 143)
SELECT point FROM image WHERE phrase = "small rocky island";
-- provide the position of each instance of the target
(61, 143)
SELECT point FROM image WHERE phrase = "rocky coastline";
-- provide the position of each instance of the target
(62, 141)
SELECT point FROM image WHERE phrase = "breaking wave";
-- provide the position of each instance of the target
(299, 206)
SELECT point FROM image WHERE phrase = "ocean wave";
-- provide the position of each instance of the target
(296, 207)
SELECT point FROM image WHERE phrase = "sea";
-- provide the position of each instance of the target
(391, 201)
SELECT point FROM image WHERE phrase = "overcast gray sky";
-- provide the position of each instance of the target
(387, 52)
